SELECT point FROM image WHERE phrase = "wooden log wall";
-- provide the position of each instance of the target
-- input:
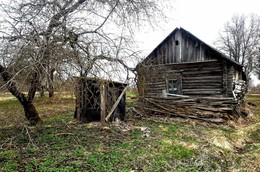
(212, 78)
(230, 78)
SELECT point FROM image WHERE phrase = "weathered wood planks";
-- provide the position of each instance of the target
(209, 109)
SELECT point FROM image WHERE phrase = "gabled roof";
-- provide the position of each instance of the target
(208, 46)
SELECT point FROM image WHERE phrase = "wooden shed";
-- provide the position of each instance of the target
(183, 66)
(99, 100)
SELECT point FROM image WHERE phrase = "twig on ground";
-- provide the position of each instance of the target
(63, 134)
(29, 136)
(10, 140)
(65, 124)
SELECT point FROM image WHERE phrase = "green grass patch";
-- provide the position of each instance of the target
(174, 151)
(255, 135)
(63, 144)
(9, 166)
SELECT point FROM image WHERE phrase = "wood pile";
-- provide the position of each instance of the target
(210, 109)
(239, 91)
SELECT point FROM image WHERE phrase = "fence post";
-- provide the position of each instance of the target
(103, 93)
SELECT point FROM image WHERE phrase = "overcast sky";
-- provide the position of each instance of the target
(203, 18)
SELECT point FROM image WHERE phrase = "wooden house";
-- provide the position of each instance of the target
(99, 100)
(183, 66)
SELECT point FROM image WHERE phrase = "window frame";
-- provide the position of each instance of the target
(178, 82)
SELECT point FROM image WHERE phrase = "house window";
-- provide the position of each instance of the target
(174, 86)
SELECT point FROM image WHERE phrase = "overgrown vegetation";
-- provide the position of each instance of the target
(148, 143)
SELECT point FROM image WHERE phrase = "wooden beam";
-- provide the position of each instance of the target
(116, 103)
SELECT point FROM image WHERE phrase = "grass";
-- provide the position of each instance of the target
(150, 144)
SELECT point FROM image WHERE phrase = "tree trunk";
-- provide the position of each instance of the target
(30, 111)
(41, 90)
(50, 82)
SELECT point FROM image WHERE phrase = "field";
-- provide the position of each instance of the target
(139, 144)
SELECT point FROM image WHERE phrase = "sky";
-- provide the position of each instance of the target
(203, 18)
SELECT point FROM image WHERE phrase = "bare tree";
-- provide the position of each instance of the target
(240, 40)
(67, 37)
(257, 63)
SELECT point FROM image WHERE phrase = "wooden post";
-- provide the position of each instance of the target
(79, 98)
(103, 93)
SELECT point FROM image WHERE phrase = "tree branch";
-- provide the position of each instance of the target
(11, 85)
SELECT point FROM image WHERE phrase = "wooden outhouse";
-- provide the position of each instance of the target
(99, 100)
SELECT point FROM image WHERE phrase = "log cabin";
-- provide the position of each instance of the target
(183, 66)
